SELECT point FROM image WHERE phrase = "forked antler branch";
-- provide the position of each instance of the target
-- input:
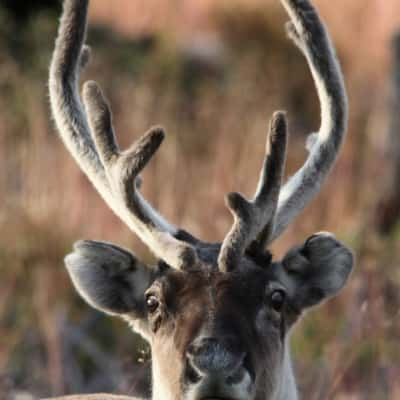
(112, 172)
(251, 216)
(309, 34)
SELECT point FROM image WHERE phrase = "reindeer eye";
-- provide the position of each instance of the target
(152, 303)
(278, 298)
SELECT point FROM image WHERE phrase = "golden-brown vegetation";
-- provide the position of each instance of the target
(216, 111)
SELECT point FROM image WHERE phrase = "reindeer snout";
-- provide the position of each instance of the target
(220, 357)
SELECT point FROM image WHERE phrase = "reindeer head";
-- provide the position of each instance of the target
(217, 316)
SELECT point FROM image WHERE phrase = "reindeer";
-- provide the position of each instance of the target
(218, 316)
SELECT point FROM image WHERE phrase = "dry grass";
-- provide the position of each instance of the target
(49, 341)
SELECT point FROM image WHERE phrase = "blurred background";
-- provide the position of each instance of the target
(211, 72)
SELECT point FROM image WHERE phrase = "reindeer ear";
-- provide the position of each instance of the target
(109, 278)
(316, 270)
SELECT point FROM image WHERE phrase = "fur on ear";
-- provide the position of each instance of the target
(109, 278)
(316, 270)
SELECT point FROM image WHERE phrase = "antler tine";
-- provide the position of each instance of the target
(272, 172)
(309, 34)
(113, 173)
(123, 169)
(253, 217)
(68, 58)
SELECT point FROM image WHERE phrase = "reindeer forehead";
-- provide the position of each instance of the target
(212, 286)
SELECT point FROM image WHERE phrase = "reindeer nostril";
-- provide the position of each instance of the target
(248, 366)
(237, 376)
(192, 375)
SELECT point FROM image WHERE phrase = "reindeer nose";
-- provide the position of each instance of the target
(222, 357)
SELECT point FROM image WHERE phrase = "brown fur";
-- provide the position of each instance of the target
(218, 324)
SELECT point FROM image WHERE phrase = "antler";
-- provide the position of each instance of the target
(113, 173)
(253, 217)
(309, 34)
